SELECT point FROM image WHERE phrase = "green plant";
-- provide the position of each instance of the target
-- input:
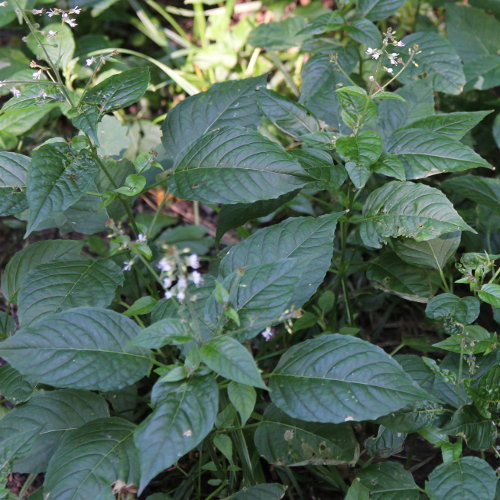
(152, 349)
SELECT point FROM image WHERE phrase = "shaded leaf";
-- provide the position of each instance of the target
(378, 9)
(13, 171)
(483, 190)
(13, 386)
(446, 305)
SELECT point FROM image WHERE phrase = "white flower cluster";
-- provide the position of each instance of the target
(178, 268)
(393, 57)
(65, 15)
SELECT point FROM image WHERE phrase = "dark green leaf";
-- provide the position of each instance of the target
(405, 209)
(386, 443)
(58, 177)
(38, 426)
(446, 305)
(271, 491)
(355, 103)
(235, 165)
(13, 171)
(378, 9)
(13, 386)
(337, 378)
(490, 293)
(184, 415)
(82, 348)
(483, 190)
(363, 31)
(279, 35)
(58, 285)
(34, 255)
(227, 104)
(92, 458)
(118, 91)
(469, 477)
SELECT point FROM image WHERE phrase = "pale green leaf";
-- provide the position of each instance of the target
(243, 398)
(82, 348)
(490, 293)
(59, 48)
(278, 35)
(282, 440)
(228, 358)
(338, 378)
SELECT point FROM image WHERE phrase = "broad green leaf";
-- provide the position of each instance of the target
(13, 171)
(86, 120)
(228, 358)
(13, 386)
(376, 10)
(232, 216)
(357, 491)
(271, 491)
(260, 294)
(319, 83)
(386, 443)
(59, 48)
(433, 254)
(323, 23)
(83, 348)
(486, 392)
(38, 426)
(413, 418)
(389, 481)
(363, 31)
(288, 116)
(469, 477)
(34, 255)
(446, 305)
(319, 165)
(490, 293)
(404, 209)
(134, 184)
(475, 36)
(418, 104)
(438, 59)
(282, 440)
(118, 91)
(18, 121)
(452, 125)
(390, 166)
(90, 459)
(425, 153)
(392, 275)
(279, 35)
(474, 338)
(184, 415)
(141, 306)
(309, 240)
(483, 190)
(227, 104)
(337, 378)
(243, 398)
(235, 165)
(355, 103)
(58, 177)
(479, 432)
(359, 152)
(58, 285)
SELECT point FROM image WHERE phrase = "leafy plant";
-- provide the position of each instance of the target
(147, 361)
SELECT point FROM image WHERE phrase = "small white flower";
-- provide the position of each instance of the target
(37, 75)
(180, 296)
(196, 278)
(75, 10)
(3, 4)
(371, 78)
(2, 82)
(167, 283)
(53, 12)
(168, 295)
(267, 334)
(43, 95)
(389, 70)
(89, 61)
(193, 261)
(164, 265)
(16, 92)
(370, 51)
(51, 34)
(400, 44)
(182, 283)
(142, 237)
(375, 55)
(37, 12)
(187, 433)
(71, 22)
(127, 265)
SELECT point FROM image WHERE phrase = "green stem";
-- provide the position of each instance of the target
(288, 77)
